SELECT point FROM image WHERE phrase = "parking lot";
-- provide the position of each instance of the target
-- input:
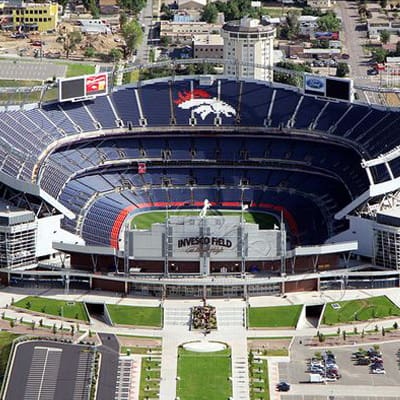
(355, 381)
(50, 370)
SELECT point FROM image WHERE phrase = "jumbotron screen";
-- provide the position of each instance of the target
(83, 87)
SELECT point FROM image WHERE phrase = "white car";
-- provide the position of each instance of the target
(378, 371)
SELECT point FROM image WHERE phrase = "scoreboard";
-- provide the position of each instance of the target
(82, 87)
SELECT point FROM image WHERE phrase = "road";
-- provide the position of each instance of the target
(146, 21)
(354, 35)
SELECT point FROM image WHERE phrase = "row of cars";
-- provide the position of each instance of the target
(324, 369)
(372, 358)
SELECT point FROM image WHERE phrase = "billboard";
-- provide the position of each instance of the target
(314, 84)
(82, 87)
(334, 88)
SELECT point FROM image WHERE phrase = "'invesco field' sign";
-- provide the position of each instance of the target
(204, 241)
(216, 246)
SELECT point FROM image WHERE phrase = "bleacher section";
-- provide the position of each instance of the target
(229, 141)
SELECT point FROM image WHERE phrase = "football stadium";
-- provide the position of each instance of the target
(200, 186)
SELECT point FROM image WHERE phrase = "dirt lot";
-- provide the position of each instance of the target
(100, 42)
(138, 341)
(268, 344)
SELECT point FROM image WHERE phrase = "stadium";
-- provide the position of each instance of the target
(200, 186)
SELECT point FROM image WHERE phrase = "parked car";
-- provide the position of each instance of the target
(372, 71)
(283, 387)
(378, 371)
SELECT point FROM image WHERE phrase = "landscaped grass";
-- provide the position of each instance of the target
(79, 69)
(359, 310)
(61, 308)
(278, 316)
(133, 315)
(18, 83)
(204, 376)
(145, 220)
(150, 374)
(6, 339)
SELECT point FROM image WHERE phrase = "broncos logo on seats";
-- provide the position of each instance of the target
(201, 103)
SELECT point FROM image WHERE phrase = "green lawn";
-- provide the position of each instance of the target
(145, 220)
(61, 308)
(278, 316)
(18, 83)
(204, 376)
(132, 315)
(6, 339)
(80, 69)
(359, 310)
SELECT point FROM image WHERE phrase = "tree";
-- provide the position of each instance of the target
(379, 55)
(383, 3)
(70, 41)
(292, 20)
(123, 19)
(209, 13)
(329, 22)
(115, 55)
(133, 34)
(385, 36)
(134, 6)
(90, 52)
(342, 69)
(294, 79)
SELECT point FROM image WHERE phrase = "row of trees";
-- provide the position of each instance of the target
(328, 22)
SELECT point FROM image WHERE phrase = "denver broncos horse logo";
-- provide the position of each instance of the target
(201, 103)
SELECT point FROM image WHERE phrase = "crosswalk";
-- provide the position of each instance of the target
(42, 378)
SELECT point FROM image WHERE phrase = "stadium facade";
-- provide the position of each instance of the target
(74, 174)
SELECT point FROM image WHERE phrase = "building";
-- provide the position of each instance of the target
(379, 23)
(17, 237)
(108, 7)
(248, 49)
(308, 24)
(208, 46)
(94, 26)
(191, 4)
(36, 16)
(322, 4)
(184, 31)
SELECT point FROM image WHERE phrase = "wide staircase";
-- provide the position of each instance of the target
(231, 317)
(176, 316)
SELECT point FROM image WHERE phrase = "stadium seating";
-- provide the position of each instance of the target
(252, 155)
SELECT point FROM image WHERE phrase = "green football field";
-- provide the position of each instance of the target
(145, 220)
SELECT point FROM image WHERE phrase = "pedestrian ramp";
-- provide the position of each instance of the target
(240, 377)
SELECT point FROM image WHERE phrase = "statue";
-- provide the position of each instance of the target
(203, 211)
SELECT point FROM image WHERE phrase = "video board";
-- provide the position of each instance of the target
(82, 87)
